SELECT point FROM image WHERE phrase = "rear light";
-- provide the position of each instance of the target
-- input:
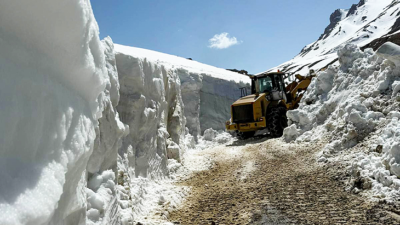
(261, 119)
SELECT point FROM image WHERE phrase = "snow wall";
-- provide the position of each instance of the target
(166, 106)
(356, 106)
(207, 92)
(102, 168)
(65, 155)
(207, 100)
(216, 98)
(56, 82)
(151, 105)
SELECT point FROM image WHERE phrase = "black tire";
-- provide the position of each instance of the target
(245, 135)
(277, 121)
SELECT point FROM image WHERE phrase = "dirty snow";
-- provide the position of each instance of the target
(156, 199)
(356, 104)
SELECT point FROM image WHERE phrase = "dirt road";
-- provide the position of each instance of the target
(271, 182)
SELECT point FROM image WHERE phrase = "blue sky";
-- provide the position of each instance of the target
(267, 32)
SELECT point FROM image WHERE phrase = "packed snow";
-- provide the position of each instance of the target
(356, 104)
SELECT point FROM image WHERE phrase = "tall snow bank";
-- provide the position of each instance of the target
(207, 91)
(191, 84)
(216, 98)
(111, 129)
(151, 104)
(355, 100)
(207, 100)
(167, 101)
(52, 73)
(102, 165)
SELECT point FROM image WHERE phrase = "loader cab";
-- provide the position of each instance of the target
(270, 83)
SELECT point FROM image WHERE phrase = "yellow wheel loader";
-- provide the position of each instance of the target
(267, 105)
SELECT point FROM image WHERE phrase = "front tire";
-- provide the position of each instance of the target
(277, 121)
(245, 135)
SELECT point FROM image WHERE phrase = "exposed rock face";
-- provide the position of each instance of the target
(396, 26)
(334, 19)
(366, 24)
(239, 71)
(354, 8)
(375, 44)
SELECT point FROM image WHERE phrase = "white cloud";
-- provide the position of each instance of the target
(221, 41)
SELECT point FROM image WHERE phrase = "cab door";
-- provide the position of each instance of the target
(278, 92)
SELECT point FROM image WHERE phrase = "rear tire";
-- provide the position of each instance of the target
(277, 121)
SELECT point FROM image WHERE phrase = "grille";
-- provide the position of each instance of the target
(242, 113)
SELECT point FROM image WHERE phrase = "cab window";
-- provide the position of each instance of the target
(279, 83)
(265, 84)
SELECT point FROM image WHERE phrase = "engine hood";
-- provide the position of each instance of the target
(248, 99)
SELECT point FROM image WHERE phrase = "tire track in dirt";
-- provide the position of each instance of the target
(275, 183)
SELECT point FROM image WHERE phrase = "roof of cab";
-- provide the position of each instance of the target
(267, 74)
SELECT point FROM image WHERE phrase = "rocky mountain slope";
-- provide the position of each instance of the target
(366, 24)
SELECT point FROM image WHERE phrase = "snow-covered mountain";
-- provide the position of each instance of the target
(364, 24)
